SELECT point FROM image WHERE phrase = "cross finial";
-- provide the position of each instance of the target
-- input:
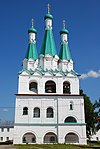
(32, 22)
(48, 8)
(64, 24)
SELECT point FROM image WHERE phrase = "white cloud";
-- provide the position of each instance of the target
(91, 73)
(5, 110)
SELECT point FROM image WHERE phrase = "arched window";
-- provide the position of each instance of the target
(49, 113)
(33, 87)
(71, 105)
(36, 112)
(66, 87)
(50, 138)
(25, 111)
(29, 138)
(70, 119)
(71, 138)
(50, 87)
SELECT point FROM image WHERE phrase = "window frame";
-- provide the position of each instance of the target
(2, 129)
(66, 87)
(50, 86)
(33, 86)
(49, 114)
(70, 119)
(36, 114)
(71, 105)
(25, 111)
(8, 129)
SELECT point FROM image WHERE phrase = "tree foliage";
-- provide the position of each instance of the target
(89, 115)
(97, 111)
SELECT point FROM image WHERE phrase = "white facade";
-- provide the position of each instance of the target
(49, 108)
(96, 137)
(6, 133)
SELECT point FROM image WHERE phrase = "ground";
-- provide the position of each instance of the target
(7, 147)
(91, 145)
(47, 146)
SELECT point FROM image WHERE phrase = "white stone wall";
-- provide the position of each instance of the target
(25, 78)
(43, 102)
(41, 130)
(5, 133)
(40, 126)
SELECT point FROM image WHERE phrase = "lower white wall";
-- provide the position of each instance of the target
(41, 131)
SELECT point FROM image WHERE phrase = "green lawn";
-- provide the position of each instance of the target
(50, 146)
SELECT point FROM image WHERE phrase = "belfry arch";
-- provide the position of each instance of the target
(33, 86)
(50, 87)
(66, 87)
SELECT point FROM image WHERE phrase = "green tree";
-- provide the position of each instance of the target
(89, 115)
(97, 111)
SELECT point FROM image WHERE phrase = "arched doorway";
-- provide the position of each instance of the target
(71, 138)
(50, 138)
(50, 87)
(29, 138)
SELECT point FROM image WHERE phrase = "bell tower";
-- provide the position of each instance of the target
(49, 108)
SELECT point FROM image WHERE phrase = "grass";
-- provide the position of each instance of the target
(94, 143)
(51, 146)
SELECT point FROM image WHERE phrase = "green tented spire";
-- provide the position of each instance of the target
(32, 50)
(64, 50)
(48, 44)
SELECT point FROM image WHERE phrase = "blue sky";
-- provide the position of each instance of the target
(83, 22)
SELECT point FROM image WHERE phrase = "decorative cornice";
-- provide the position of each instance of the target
(52, 94)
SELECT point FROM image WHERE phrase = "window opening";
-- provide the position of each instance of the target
(36, 112)
(33, 87)
(25, 111)
(2, 129)
(66, 87)
(1, 138)
(50, 113)
(71, 105)
(50, 87)
(8, 129)
(7, 138)
(70, 119)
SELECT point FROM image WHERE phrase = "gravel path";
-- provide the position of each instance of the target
(7, 147)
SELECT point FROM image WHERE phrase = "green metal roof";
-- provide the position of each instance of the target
(48, 15)
(32, 30)
(64, 52)
(32, 51)
(64, 31)
(48, 45)
(53, 72)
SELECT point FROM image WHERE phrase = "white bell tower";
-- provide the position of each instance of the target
(49, 108)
